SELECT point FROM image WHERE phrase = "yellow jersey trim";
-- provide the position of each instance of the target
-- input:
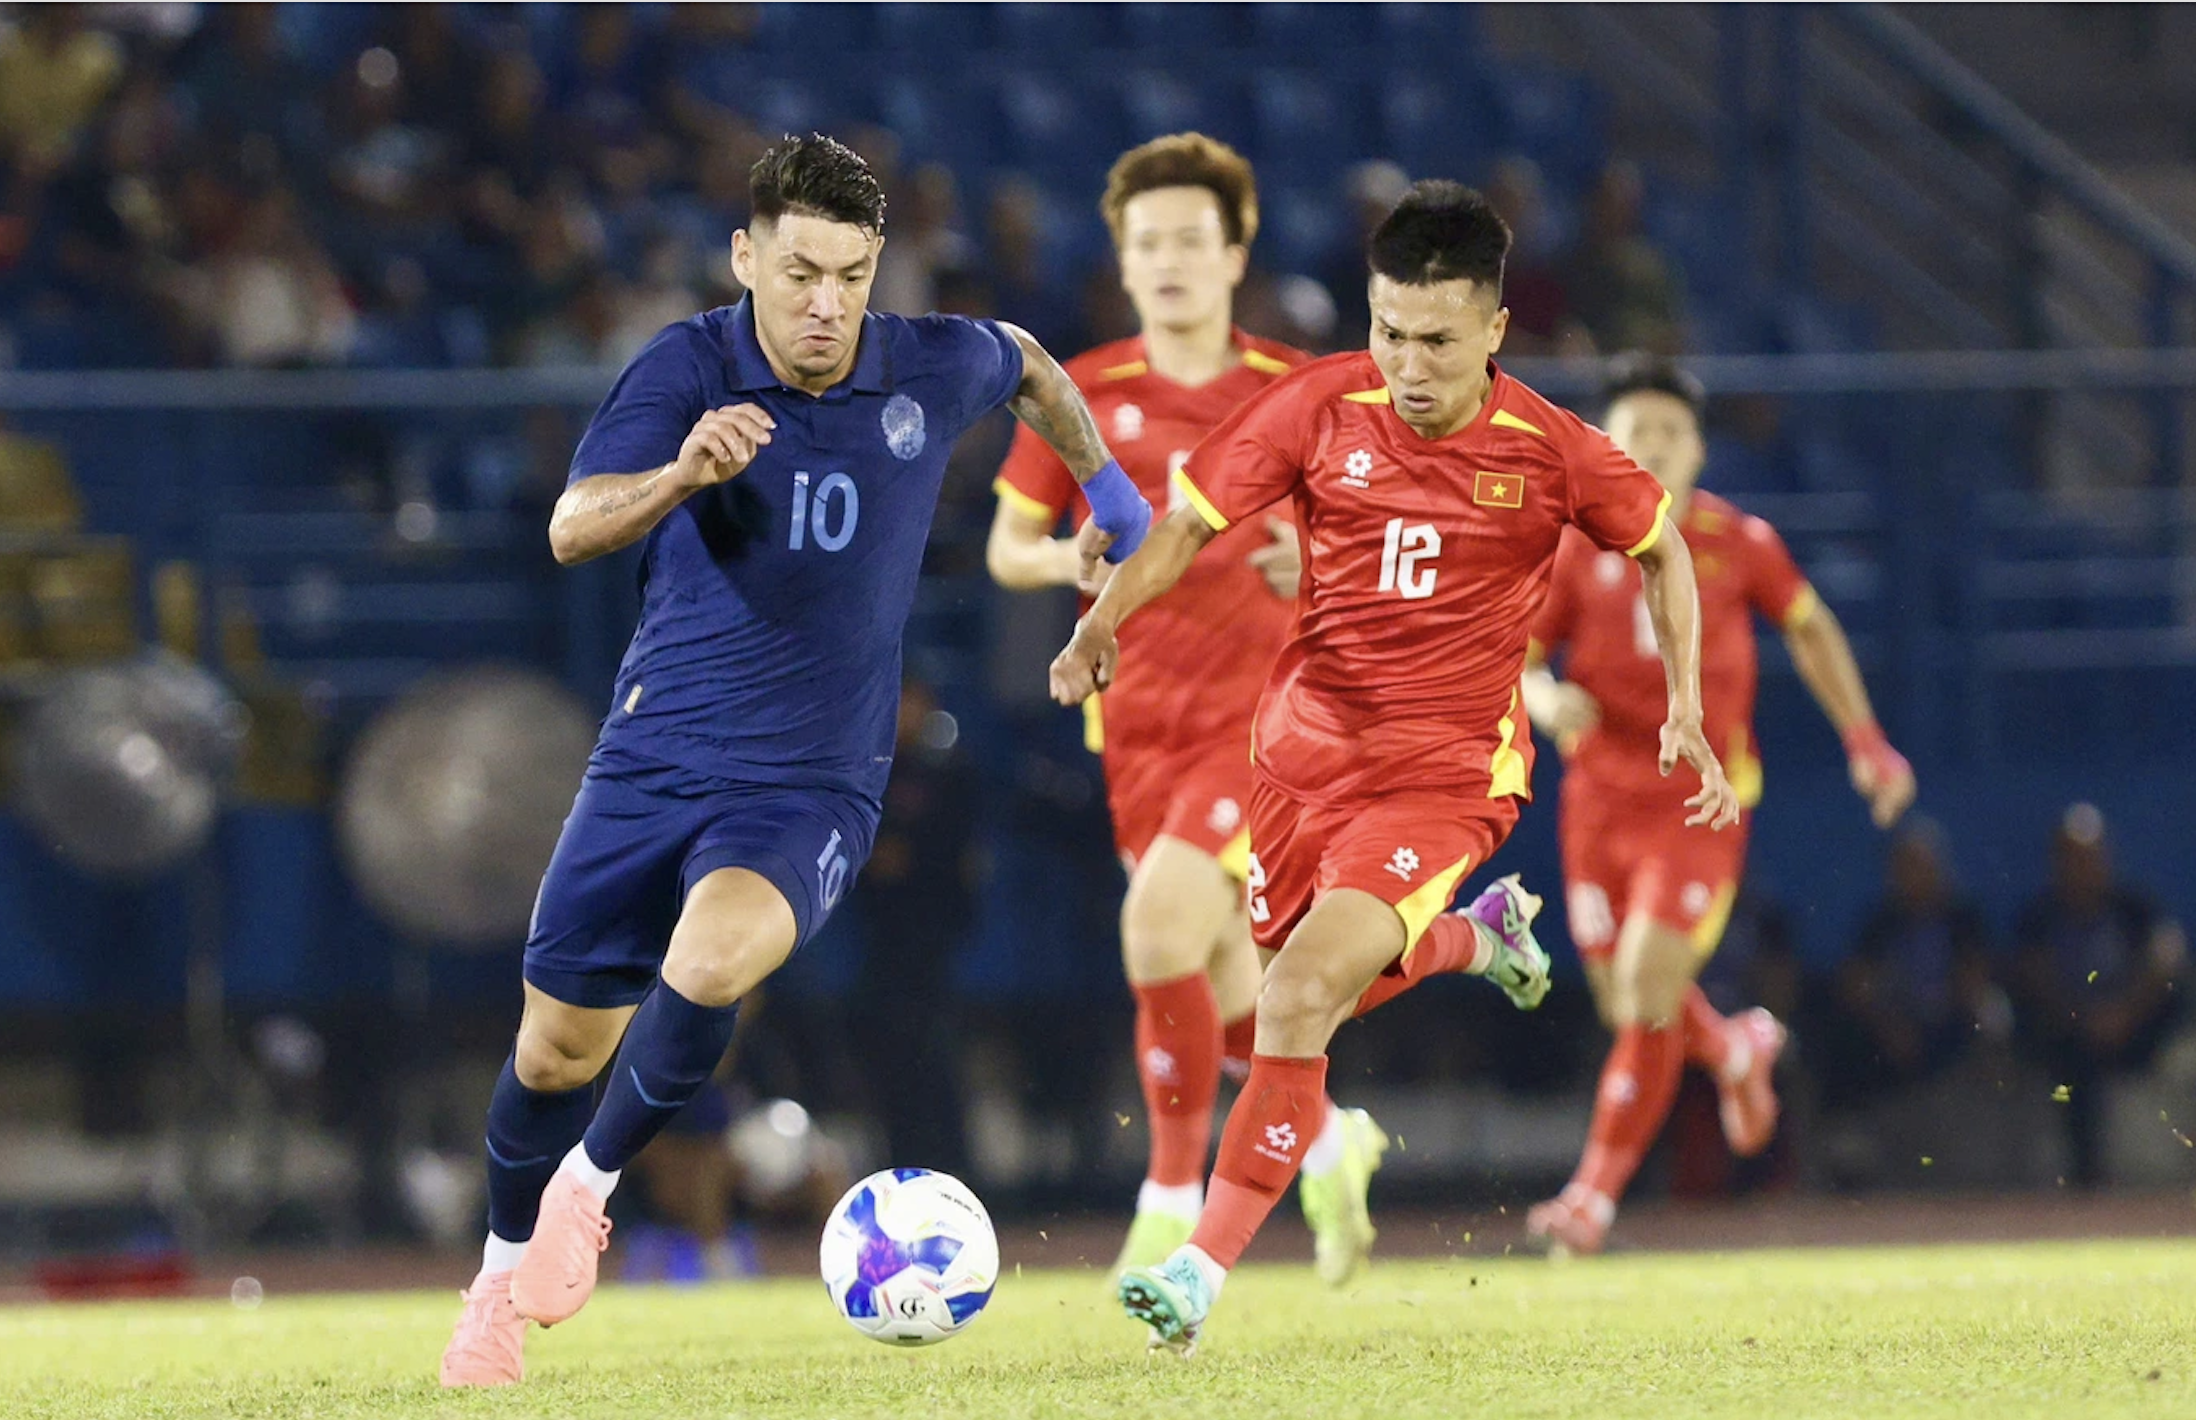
(1654, 533)
(1265, 364)
(1803, 606)
(1213, 517)
(1022, 503)
(1708, 932)
(1743, 770)
(1125, 372)
(1094, 725)
(1235, 857)
(1507, 774)
(1503, 419)
(1378, 396)
(1428, 901)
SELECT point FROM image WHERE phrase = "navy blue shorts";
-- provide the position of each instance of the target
(641, 834)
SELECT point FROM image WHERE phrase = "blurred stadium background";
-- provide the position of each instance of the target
(302, 308)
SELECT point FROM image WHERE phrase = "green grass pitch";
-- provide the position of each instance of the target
(2088, 1330)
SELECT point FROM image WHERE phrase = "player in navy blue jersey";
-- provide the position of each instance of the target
(781, 458)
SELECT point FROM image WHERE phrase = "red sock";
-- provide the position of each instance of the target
(1178, 1064)
(1637, 1086)
(1274, 1120)
(1450, 944)
(1707, 1041)
(1238, 1040)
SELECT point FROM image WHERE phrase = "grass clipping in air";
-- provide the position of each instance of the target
(2099, 1330)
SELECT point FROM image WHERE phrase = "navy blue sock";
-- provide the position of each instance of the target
(529, 1133)
(671, 1049)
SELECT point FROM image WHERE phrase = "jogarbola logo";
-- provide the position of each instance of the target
(1357, 470)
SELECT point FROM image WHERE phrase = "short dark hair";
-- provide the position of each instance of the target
(1638, 371)
(1186, 160)
(1441, 231)
(815, 176)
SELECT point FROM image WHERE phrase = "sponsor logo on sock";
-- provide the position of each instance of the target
(1621, 1090)
(1159, 1064)
(1280, 1143)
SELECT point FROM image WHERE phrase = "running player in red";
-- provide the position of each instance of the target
(1649, 897)
(1175, 726)
(1391, 753)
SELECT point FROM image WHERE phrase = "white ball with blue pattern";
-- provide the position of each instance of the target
(909, 1256)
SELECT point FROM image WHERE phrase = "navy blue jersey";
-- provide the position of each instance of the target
(768, 650)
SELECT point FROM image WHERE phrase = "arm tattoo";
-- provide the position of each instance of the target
(616, 500)
(1049, 403)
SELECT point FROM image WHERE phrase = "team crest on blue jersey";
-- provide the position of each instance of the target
(903, 426)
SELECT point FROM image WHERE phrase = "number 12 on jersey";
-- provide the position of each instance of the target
(1402, 557)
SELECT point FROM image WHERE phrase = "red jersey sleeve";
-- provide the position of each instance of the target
(1033, 481)
(1254, 459)
(1559, 613)
(1774, 583)
(1614, 501)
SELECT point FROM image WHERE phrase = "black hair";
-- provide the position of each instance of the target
(815, 176)
(1441, 231)
(1637, 370)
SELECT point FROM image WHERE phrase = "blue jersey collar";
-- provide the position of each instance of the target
(751, 370)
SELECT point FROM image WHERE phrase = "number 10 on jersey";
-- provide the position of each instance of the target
(1403, 557)
(830, 516)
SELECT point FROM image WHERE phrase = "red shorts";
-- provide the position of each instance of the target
(1197, 795)
(1408, 849)
(1628, 853)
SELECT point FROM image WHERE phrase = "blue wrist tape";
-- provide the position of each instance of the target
(1116, 507)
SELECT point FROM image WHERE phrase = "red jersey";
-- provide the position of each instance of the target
(1597, 611)
(1193, 661)
(1425, 562)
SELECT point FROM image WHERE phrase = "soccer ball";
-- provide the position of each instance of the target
(909, 1256)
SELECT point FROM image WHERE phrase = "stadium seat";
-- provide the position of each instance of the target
(1160, 101)
(1441, 123)
(1064, 30)
(1301, 31)
(1312, 123)
(1185, 32)
(812, 32)
(1553, 116)
(905, 28)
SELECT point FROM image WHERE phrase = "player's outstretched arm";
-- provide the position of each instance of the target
(607, 511)
(1673, 605)
(1825, 662)
(1050, 404)
(1022, 555)
(1086, 665)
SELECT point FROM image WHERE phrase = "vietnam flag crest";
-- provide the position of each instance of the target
(1498, 490)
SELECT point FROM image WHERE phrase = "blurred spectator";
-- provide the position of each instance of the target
(2094, 978)
(54, 74)
(661, 295)
(1029, 292)
(1909, 997)
(1371, 191)
(924, 238)
(243, 84)
(584, 329)
(1541, 322)
(267, 294)
(1620, 284)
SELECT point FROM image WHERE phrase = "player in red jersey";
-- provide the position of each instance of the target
(1175, 726)
(1391, 749)
(1648, 897)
